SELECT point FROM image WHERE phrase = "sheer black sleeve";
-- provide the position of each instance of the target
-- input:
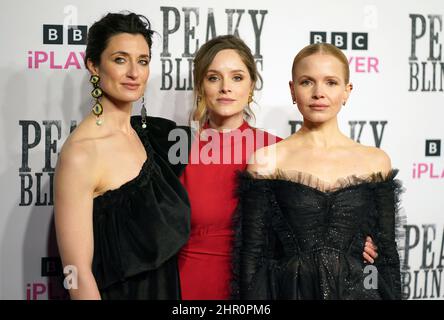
(386, 233)
(253, 240)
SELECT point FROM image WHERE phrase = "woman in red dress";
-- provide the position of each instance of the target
(225, 74)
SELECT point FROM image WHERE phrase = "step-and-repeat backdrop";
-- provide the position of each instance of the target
(396, 55)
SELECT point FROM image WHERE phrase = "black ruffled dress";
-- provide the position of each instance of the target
(296, 240)
(140, 227)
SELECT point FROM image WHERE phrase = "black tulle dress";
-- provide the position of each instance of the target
(298, 240)
(140, 227)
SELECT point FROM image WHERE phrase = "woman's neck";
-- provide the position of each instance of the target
(324, 135)
(116, 115)
(226, 123)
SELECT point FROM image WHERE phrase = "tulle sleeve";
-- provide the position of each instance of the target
(253, 240)
(387, 231)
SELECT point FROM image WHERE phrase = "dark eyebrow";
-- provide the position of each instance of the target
(120, 52)
(127, 54)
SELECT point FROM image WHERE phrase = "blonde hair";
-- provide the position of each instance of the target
(202, 61)
(323, 48)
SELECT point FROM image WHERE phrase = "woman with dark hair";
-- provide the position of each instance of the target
(121, 213)
(308, 204)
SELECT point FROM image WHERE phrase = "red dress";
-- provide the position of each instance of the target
(209, 178)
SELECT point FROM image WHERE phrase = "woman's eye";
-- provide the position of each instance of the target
(237, 78)
(144, 62)
(119, 60)
(212, 78)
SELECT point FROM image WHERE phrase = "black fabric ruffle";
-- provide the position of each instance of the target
(287, 225)
(140, 227)
(159, 133)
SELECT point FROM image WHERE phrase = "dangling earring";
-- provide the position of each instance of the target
(143, 112)
(201, 113)
(250, 98)
(343, 103)
(96, 93)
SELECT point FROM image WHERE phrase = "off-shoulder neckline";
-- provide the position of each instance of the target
(313, 182)
(146, 167)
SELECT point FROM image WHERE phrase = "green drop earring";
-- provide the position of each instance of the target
(96, 93)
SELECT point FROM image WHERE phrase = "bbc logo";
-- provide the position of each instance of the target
(433, 148)
(51, 266)
(53, 34)
(359, 40)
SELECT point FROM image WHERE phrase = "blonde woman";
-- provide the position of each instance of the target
(308, 204)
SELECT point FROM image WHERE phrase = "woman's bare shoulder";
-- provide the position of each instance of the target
(265, 160)
(79, 149)
(377, 159)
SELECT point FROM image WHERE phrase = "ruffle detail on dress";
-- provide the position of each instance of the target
(244, 182)
(314, 223)
(158, 132)
(140, 225)
(247, 189)
(389, 234)
(316, 183)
